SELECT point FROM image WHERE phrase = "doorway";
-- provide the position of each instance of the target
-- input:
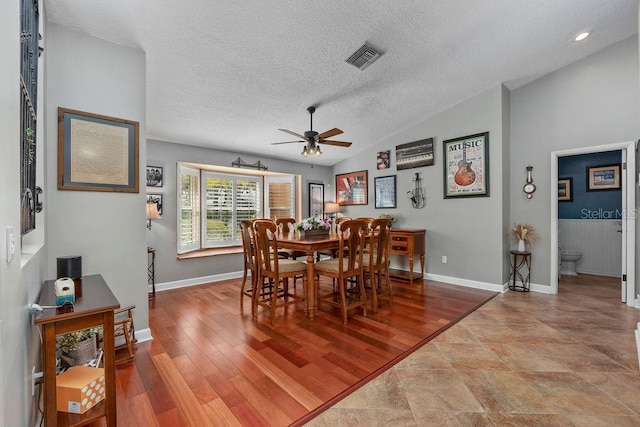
(627, 178)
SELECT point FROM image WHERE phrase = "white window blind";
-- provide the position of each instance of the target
(280, 197)
(229, 199)
(188, 209)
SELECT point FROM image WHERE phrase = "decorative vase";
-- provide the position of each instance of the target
(521, 247)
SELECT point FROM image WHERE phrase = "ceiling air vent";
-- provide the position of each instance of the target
(363, 57)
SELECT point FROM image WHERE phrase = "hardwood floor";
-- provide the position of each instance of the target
(210, 364)
(519, 359)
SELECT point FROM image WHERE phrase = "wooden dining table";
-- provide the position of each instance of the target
(310, 245)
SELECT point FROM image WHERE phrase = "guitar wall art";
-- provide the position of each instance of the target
(466, 166)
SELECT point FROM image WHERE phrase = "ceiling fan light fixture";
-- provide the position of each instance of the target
(318, 152)
(304, 151)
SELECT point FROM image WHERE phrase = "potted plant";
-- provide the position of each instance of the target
(392, 217)
(78, 347)
(313, 226)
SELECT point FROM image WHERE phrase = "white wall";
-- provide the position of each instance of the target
(590, 102)
(600, 241)
(19, 279)
(174, 272)
(471, 232)
(107, 229)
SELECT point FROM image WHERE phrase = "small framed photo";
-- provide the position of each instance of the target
(155, 176)
(385, 191)
(565, 189)
(382, 160)
(351, 188)
(157, 199)
(603, 177)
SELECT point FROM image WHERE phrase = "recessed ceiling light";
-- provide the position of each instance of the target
(581, 36)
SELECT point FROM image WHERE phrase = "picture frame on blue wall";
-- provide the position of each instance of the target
(605, 177)
(565, 189)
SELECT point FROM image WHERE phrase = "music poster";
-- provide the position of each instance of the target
(466, 166)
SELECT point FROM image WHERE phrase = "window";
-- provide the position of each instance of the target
(227, 198)
(29, 51)
(189, 209)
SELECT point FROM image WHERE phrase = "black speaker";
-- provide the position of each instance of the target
(70, 266)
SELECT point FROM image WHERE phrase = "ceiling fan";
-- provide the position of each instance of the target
(313, 138)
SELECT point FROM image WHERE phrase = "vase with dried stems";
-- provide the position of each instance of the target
(525, 234)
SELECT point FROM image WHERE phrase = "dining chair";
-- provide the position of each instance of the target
(376, 262)
(287, 225)
(274, 269)
(347, 265)
(249, 254)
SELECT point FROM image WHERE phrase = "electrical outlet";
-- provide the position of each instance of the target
(444, 259)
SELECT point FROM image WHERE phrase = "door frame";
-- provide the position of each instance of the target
(628, 216)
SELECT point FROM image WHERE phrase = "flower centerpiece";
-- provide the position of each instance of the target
(313, 226)
(392, 217)
(525, 234)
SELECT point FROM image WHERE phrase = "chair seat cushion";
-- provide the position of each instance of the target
(290, 265)
(332, 265)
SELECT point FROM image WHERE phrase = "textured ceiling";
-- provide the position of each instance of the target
(228, 74)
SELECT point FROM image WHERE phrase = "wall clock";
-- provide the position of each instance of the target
(529, 188)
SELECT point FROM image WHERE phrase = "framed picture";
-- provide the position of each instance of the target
(383, 159)
(603, 178)
(466, 166)
(157, 199)
(155, 176)
(414, 154)
(565, 189)
(351, 188)
(97, 153)
(316, 199)
(385, 191)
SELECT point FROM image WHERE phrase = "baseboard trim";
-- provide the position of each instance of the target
(195, 281)
(465, 282)
(143, 335)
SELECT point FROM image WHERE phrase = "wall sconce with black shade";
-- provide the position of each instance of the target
(152, 213)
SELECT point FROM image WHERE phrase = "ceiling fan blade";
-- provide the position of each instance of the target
(285, 142)
(292, 133)
(330, 133)
(336, 143)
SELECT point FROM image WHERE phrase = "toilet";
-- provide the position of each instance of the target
(568, 260)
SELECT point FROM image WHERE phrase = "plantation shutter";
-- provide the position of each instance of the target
(280, 197)
(228, 200)
(188, 209)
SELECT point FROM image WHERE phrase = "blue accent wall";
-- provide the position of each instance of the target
(604, 204)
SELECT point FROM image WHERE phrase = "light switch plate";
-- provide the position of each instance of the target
(11, 244)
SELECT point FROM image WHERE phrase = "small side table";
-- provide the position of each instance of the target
(152, 271)
(520, 270)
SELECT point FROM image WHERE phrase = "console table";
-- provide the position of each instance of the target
(151, 271)
(409, 242)
(94, 308)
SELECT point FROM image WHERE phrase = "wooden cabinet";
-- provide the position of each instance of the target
(94, 308)
(409, 243)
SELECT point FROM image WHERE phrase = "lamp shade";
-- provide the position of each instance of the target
(331, 207)
(152, 211)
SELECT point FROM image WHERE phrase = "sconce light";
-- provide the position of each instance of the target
(417, 194)
(152, 213)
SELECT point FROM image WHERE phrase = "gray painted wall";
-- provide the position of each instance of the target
(590, 102)
(469, 231)
(163, 235)
(107, 229)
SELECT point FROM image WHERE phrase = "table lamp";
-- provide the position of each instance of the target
(152, 213)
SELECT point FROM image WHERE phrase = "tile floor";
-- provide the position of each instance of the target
(521, 359)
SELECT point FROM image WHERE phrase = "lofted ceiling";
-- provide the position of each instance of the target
(229, 74)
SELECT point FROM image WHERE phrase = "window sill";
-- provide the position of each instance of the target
(202, 253)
